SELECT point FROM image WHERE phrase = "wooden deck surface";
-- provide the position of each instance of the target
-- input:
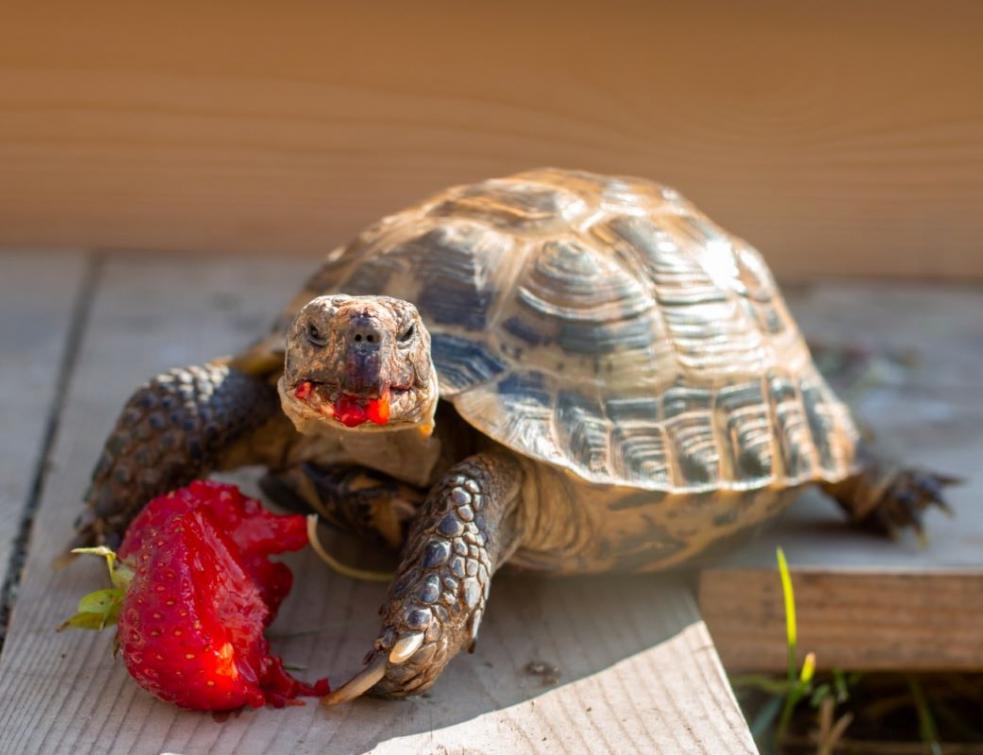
(637, 668)
(638, 671)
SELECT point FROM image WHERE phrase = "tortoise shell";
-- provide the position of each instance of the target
(606, 326)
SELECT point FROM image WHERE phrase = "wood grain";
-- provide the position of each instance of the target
(839, 137)
(866, 602)
(637, 669)
(39, 298)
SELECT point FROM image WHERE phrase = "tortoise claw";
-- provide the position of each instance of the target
(359, 684)
(906, 497)
(889, 499)
(405, 647)
(931, 487)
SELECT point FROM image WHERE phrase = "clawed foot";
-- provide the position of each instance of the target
(889, 500)
(438, 598)
(434, 606)
(905, 497)
(404, 661)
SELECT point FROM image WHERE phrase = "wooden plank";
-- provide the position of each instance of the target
(866, 602)
(838, 137)
(39, 297)
(637, 669)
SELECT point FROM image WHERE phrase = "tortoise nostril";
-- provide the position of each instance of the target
(364, 333)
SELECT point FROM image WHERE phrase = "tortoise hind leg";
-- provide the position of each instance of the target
(350, 497)
(888, 497)
(176, 427)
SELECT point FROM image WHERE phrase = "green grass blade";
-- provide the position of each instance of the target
(791, 631)
(926, 722)
(766, 717)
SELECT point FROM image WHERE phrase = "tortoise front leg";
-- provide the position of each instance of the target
(173, 429)
(466, 529)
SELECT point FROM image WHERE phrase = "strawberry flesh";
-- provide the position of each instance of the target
(352, 411)
(202, 593)
(378, 410)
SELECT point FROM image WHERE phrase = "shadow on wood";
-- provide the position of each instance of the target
(619, 647)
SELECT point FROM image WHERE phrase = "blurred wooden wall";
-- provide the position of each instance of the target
(840, 137)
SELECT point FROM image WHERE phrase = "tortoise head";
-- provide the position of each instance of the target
(361, 363)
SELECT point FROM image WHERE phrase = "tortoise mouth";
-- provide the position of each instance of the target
(349, 408)
(309, 387)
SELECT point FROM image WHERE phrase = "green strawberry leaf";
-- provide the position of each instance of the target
(97, 610)
(84, 621)
(101, 601)
(100, 609)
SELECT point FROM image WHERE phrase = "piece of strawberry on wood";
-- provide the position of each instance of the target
(193, 591)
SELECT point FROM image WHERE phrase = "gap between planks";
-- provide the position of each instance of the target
(45, 301)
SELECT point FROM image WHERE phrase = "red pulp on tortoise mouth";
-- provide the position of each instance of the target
(352, 411)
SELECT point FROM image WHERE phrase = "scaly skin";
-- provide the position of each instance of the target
(464, 532)
(886, 497)
(172, 430)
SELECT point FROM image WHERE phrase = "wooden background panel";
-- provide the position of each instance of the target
(838, 137)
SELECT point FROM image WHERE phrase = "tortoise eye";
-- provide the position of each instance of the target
(407, 335)
(315, 336)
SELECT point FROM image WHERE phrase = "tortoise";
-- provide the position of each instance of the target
(570, 372)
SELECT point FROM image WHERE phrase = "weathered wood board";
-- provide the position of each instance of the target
(839, 137)
(39, 302)
(638, 671)
(866, 602)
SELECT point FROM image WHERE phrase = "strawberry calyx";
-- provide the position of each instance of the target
(100, 608)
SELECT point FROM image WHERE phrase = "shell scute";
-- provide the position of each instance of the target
(689, 427)
(511, 205)
(583, 430)
(743, 417)
(585, 301)
(791, 428)
(464, 362)
(526, 387)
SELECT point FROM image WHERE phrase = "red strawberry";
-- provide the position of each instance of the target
(194, 593)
